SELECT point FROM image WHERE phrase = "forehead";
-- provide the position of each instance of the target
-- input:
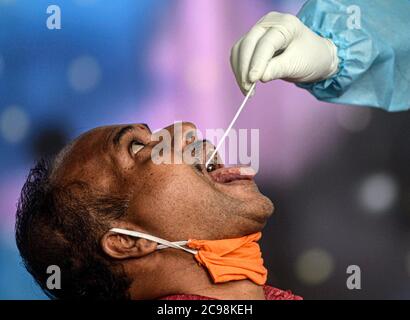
(87, 158)
(94, 137)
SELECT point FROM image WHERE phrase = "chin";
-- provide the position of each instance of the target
(261, 208)
(250, 208)
(253, 215)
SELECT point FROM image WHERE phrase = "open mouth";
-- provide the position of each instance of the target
(221, 174)
(216, 171)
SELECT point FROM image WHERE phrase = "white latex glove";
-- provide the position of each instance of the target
(306, 56)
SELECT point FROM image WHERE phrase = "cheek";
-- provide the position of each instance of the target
(167, 196)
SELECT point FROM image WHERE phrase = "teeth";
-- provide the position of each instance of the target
(247, 171)
(215, 163)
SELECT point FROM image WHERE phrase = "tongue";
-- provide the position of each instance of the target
(229, 174)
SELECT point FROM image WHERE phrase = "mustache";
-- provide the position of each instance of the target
(200, 150)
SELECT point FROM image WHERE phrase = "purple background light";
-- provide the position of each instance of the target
(163, 61)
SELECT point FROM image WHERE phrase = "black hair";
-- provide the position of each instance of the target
(63, 226)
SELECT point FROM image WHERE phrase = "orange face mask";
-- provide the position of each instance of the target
(226, 260)
(232, 259)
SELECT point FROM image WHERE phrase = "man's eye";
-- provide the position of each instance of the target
(135, 147)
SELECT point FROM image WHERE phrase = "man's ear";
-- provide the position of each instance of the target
(120, 246)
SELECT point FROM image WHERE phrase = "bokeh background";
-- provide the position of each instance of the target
(339, 175)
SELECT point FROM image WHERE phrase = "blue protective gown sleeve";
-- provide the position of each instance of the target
(374, 51)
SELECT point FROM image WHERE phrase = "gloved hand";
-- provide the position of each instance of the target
(306, 56)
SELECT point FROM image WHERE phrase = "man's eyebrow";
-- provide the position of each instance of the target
(120, 134)
(146, 126)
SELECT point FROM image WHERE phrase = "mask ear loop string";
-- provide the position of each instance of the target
(163, 243)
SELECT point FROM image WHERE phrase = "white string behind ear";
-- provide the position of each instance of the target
(163, 243)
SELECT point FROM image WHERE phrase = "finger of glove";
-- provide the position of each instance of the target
(272, 41)
(234, 59)
(246, 50)
(277, 68)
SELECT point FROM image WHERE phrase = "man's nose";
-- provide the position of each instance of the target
(183, 133)
(189, 134)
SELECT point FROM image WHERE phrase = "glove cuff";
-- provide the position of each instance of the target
(334, 65)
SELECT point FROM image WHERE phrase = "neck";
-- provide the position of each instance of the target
(170, 271)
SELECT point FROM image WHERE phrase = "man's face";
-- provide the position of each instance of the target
(172, 201)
